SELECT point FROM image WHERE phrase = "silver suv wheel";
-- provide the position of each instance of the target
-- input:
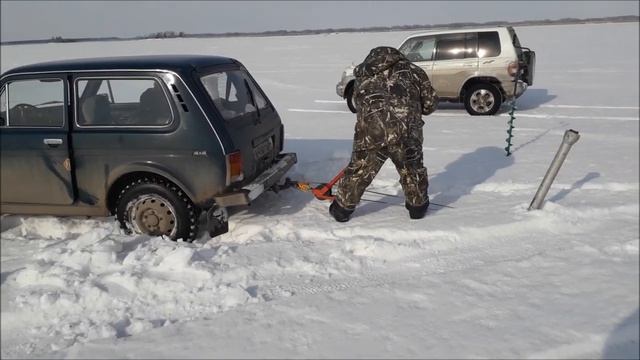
(482, 99)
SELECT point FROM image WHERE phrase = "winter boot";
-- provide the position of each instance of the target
(339, 213)
(417, 212)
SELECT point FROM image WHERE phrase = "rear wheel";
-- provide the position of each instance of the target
(351, 102)
(157, 208)
(482, 99)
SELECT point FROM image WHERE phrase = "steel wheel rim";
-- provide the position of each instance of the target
(482, 100)
(153, 215)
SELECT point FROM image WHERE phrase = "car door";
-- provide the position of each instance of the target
(420, 51)
(124, 120)
(35, 166)
(456, 60)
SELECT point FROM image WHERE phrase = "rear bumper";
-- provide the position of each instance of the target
(340, 89)
(341, 86)
(520, 88)
(262, 183)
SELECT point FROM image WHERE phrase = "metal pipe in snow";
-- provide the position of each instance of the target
(570, 138)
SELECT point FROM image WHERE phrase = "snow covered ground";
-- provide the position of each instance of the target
(485, 279)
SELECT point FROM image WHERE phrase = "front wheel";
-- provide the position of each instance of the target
(157, 208)
(482, 99)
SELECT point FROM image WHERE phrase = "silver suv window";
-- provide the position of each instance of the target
(34, 103)
(234, 94)
(418, 49)
(122, 102)
(488, 44)
(515, 41)
(457, 46)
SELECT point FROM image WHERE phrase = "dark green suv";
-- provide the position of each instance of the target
(155, 140)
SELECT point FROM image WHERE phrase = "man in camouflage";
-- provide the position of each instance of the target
(391, 95)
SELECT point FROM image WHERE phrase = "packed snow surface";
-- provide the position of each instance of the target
(486, 278)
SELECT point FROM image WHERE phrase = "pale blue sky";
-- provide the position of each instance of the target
(22, 20)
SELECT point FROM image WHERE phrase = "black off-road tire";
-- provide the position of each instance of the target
(348, 95)
(186, 213)
(470, 99)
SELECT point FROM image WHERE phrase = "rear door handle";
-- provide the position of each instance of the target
(52, 142)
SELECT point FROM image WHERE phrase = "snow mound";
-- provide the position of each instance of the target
(102, 284)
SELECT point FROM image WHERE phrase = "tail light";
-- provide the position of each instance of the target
(234, 167)
(512, 69)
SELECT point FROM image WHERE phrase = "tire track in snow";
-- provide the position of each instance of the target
(521, 114)
(508, 188)
(590, 107)
(552, 106)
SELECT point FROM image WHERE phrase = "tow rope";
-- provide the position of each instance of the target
(322, 191)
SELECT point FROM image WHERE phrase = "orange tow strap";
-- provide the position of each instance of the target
(321, 192)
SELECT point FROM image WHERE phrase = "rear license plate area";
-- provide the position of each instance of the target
(263, 149)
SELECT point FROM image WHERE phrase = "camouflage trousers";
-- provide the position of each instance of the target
(365, 164)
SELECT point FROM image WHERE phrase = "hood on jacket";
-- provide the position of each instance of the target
(379, 59)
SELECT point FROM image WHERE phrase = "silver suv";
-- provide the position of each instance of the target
(481, 67)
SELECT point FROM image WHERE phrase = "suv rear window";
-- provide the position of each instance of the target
(515, 41)
(457, 46)
(488, 44)
(122, 102)
(233, 93)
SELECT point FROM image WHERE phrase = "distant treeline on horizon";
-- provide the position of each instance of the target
(174, 34)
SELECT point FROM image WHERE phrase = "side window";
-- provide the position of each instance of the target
(232, 94)
(3, 107)
(418, 49)
(471, 45)
(457, 46)
(259, 99)
(515, 41)
(34, 103)
(122, 102)
(488, 44)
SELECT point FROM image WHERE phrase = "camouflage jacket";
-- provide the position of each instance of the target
(391, 95)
